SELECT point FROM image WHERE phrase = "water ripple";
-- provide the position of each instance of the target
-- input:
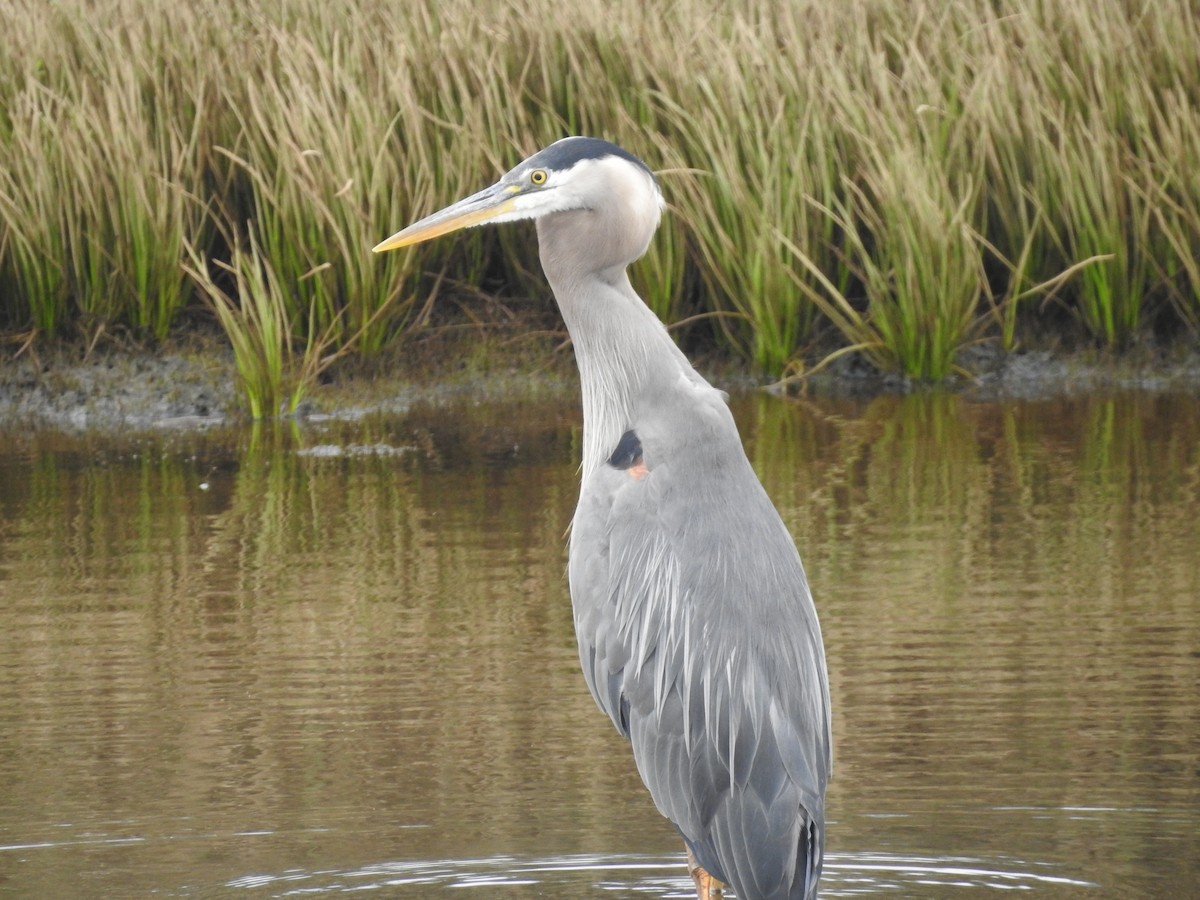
(846, 875)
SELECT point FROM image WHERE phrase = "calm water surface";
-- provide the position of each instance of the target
(340, 657)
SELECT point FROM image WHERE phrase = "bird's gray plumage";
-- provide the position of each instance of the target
(698, 639)
(697, 634)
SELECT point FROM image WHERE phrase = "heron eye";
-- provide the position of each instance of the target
(538, 176)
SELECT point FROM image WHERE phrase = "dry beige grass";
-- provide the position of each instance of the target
(907, 172)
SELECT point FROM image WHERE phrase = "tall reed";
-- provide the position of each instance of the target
(274, 367)
(897, 179)
(97, 196)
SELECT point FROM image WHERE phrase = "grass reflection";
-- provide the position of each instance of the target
(370, 655)
(1009, 597)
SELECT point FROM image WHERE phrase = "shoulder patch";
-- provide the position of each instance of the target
(628, 452)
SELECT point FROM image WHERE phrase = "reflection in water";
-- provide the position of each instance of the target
(849, 876)
(341, 656)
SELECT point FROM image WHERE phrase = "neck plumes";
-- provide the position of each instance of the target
(621, 348)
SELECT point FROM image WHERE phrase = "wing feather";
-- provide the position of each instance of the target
(699, 639)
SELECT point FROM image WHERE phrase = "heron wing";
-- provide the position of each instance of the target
(699, 639)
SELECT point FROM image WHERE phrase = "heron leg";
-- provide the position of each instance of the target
(707, 887)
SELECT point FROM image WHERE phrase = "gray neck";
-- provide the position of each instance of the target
(623, 351)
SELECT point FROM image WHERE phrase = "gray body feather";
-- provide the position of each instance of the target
(698, 638)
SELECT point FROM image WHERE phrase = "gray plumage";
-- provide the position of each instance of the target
(697, 633)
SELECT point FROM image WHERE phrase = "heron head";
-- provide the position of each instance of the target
(575, 173)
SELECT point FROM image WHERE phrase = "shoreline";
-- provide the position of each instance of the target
(192, 384)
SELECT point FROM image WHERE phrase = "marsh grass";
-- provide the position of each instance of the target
(255, 313)
(33, 243)
(1106, 216)
(896, 179)
(93, 199)
(1170, 187)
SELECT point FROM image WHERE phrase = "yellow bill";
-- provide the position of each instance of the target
(487, 205)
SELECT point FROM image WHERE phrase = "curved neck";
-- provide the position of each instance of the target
(621, 347)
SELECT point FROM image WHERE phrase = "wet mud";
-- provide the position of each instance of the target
(195, 386)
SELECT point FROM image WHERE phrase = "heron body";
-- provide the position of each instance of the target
(697, 632)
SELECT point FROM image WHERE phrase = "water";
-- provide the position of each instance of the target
(340, 658)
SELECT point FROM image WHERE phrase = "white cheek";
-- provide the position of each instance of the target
(553, 199)
(640, 195)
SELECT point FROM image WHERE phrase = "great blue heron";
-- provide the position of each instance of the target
(696, 629)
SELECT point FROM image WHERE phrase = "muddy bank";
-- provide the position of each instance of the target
(194, 385)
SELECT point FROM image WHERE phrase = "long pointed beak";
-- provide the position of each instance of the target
(482, 207)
